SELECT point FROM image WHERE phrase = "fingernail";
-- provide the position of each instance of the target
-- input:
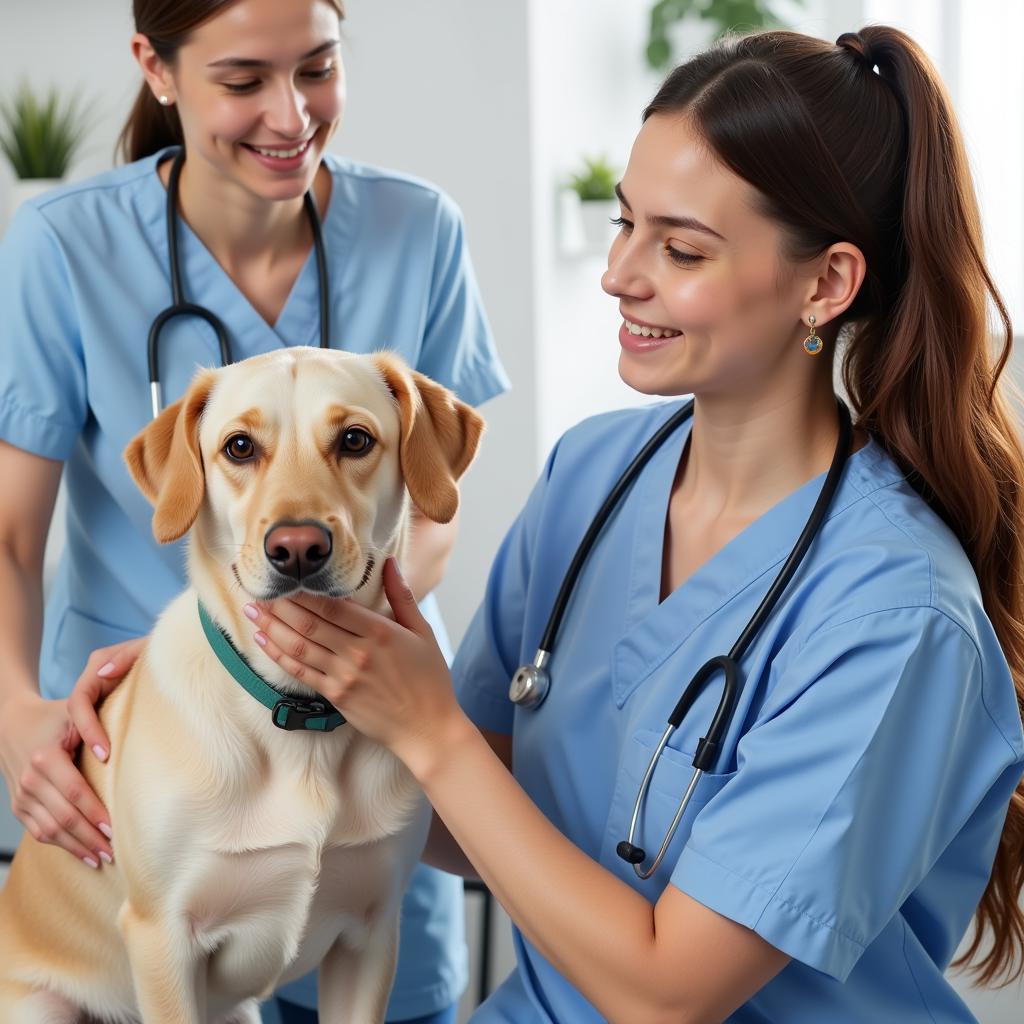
(398, 568)
(100, 752)
(260, 638)
(105, 829)
(252, 611)
(106, 670)
(105, 857)
(92, 863)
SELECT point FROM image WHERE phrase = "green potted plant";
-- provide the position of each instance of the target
(40, 135)
(718, 17)
(594, 186)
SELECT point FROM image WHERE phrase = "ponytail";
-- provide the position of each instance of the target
(885, 169)
(958, 443)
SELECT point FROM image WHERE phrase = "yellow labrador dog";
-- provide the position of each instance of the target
(254, 839)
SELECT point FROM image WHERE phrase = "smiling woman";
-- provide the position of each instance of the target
(155, 121)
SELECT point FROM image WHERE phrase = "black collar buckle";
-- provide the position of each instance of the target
(295, 714)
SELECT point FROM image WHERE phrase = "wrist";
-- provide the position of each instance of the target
(427, 757)
(18, 695)
(18, 707)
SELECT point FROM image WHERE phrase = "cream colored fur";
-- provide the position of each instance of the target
(245, 855)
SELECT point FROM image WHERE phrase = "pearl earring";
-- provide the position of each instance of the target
(164, 100)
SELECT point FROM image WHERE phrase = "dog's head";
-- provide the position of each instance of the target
(295, 466)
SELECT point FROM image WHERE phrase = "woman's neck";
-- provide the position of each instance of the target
(743, 458)
(241, 229)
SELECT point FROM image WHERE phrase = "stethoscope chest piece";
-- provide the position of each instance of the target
(531, 683)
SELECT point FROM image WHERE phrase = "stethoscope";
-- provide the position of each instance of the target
(179, 307)
(531, 683)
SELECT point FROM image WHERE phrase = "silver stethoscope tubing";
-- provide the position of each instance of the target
(179, 307)
(531, 683)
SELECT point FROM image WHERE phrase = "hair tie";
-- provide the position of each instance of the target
(856, 44)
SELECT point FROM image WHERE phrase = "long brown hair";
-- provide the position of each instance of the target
(840, 151)
(167, 24)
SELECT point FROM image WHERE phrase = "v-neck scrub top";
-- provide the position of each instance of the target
(83, 272)
(854, 814)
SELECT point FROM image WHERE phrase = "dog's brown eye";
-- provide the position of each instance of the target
(356, 441)
(240, 448)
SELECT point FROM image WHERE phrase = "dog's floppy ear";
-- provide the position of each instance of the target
(440, 436)
(165, 461)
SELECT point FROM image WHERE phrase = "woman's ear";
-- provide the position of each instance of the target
(440, 436)
(841, 269)
(157, 74)
(165, 462)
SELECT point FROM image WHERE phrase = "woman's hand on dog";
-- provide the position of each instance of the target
(103, 672)
(38, 742)
(388, 678)
(49, 796)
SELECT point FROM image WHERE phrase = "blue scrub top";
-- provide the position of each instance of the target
(854, 814)
(83, 272)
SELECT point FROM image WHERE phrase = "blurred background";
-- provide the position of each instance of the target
(504, 105)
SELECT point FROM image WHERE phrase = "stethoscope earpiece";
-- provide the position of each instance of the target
(629, 853)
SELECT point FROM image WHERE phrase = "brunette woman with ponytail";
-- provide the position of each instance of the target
(793, 212)
(245, 95)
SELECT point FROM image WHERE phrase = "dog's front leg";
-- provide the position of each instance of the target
(355, 982)
(167, 969)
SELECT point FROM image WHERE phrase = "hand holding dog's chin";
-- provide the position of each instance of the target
(388, 677)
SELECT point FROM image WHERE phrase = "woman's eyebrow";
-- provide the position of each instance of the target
(664, 221)
(250, 62)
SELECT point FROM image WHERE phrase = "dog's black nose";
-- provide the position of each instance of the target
(297, 549)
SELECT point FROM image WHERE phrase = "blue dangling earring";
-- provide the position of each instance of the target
(812, 343)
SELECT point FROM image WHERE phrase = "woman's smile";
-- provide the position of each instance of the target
(636, 337)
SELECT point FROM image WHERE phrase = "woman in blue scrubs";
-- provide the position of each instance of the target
(781, 190)
(254, 89)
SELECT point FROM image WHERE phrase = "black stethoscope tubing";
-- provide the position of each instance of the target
(179, 307)
(547, 641)
(530, 684)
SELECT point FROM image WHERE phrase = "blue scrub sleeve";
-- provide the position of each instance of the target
(492, 648)
(873, 751)
(43, 402)
(458, 348)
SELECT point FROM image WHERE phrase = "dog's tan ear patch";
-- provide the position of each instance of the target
(165, 462)
(440, 436)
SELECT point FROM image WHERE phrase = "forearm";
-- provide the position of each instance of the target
(592, 927)
(21, 624)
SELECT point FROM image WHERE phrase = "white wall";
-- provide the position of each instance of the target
(440, 89)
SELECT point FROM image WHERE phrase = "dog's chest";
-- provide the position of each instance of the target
(274, 913)
(352, 794)
(294, 864)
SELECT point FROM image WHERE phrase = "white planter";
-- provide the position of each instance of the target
(596, 216)
(22, 189)
(586, 228)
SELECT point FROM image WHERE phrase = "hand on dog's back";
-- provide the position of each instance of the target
(49, 794)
